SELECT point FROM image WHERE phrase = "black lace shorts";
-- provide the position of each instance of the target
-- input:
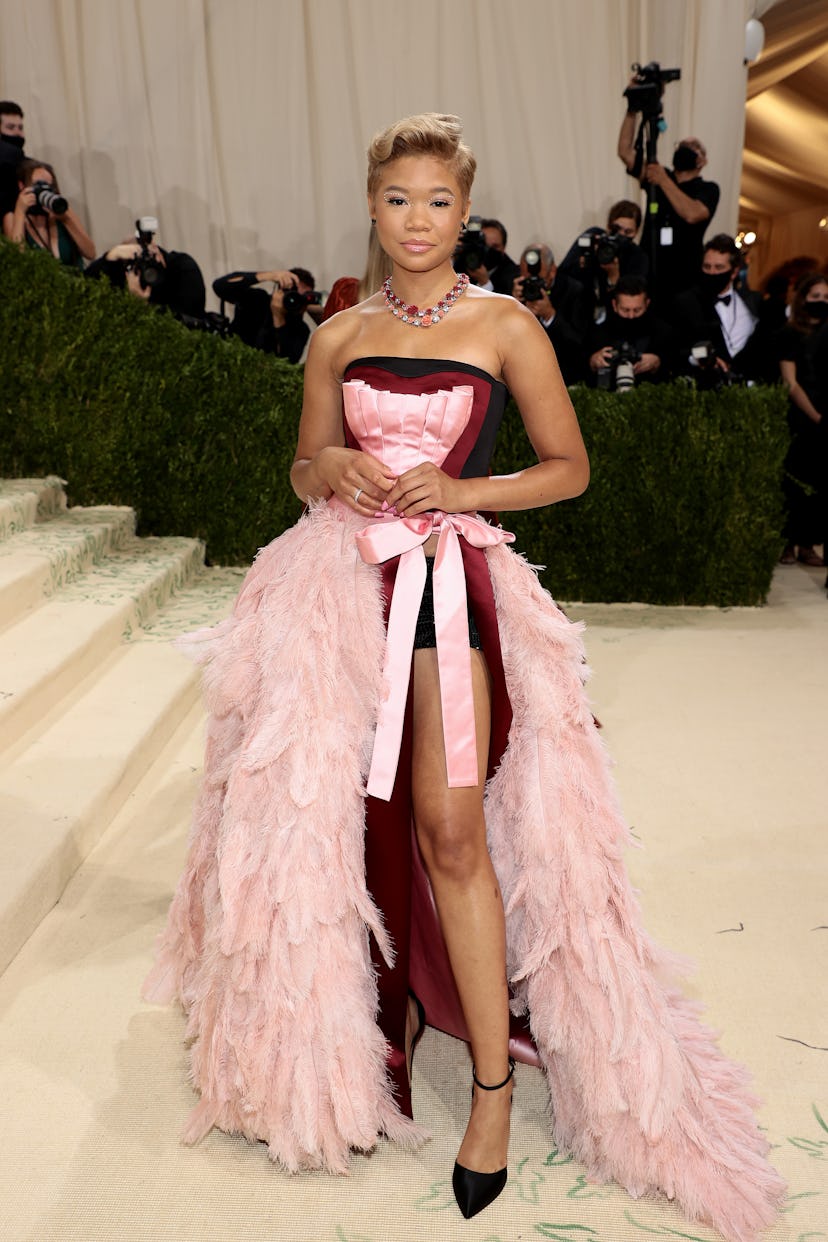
(425, 635)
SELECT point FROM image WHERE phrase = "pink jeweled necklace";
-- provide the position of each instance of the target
(429, 315)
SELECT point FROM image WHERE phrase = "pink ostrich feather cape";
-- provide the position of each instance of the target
(272, 915)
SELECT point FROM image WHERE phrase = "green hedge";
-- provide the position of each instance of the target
(684, 504)
(198, 433)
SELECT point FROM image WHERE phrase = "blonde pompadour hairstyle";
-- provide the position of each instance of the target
(430, 133)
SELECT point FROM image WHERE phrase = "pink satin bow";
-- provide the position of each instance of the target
(389, 536)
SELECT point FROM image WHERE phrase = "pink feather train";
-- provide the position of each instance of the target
(271, 916)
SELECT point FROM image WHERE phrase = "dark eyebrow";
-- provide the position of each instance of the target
(438, 189)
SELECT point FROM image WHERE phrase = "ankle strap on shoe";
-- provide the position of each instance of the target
(496, 1087)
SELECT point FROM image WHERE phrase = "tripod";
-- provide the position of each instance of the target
(646, 151)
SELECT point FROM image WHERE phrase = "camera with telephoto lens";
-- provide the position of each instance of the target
(471, 252)
(619, 373)
(645, 94)
(532, 289)
(47, 199)
(151, 271)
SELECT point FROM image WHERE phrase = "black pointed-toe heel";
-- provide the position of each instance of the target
(475, 1191)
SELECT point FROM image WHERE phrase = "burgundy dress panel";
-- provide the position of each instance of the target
(395, 872)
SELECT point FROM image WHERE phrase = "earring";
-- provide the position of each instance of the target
(373, 221)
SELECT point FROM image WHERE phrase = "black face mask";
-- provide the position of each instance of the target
(817, 310)
(712, 283)
(628, 329)
(685, 159)
(16, 140)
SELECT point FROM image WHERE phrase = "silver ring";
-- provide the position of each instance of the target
(357, 494)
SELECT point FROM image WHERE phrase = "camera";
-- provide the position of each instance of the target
(645, 95)
(151, 271)
(705, 370)
(47, 199)
(600, 249)
(619, 374)
(211, 322)
(532, 288)
(471, 252)
(296, 303)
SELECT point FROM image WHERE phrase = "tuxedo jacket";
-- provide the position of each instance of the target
(694, 318)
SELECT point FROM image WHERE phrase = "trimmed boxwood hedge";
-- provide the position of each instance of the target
(198, 433)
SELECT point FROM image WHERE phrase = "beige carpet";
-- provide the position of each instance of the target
(717, 723)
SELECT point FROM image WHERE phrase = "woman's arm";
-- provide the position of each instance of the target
(14, 222)
(77, 232)
(530, 369)
(796, 392)
(323, 466)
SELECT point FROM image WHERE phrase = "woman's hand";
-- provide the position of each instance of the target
(427, 487)
(358, 479)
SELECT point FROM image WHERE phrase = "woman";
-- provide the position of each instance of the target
(292, 863)
(806, 461)
(348, 290)
(55, 227)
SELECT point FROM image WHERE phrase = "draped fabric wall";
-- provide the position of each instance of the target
(242, 124)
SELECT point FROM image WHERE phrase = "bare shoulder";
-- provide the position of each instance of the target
(337, 340)
(503, 311)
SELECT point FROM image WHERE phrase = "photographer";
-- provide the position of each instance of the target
(12, 143)
(598, 258)
(631, 345)
(502, 269)
(684, 201)
(720, 329)
(42, 218)
(161, 277)
(273, 322)
(558, 303)
(481, 254)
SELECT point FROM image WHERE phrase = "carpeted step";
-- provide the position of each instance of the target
(26, 501)
(51, 649)
(37, 561)
(58, 795)
(206, 601)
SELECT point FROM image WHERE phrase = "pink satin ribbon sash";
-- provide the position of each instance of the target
(389, 536)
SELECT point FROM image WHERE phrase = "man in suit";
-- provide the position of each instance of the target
(719, 327)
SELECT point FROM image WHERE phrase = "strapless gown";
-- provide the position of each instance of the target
(304, 916)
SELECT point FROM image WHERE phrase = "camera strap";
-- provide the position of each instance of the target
(43, 243)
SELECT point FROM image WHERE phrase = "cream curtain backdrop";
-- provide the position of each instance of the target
(242, 124)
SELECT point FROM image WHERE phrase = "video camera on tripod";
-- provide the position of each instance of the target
(645, 94)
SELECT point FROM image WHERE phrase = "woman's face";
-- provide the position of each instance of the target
(419, 209)
(40, 174)
(817, 293)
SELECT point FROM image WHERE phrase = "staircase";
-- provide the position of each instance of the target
(91, 691)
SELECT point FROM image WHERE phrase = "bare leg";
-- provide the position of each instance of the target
(451, 832)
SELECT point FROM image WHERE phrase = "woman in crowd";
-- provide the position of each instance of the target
(392, 635)
(348, 290)
(51, 225)
(807, 460)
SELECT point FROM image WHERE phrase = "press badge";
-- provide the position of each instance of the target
(665, 236)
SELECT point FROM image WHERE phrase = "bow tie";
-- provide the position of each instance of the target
(725, 298)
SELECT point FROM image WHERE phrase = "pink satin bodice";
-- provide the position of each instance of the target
(403, 430)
